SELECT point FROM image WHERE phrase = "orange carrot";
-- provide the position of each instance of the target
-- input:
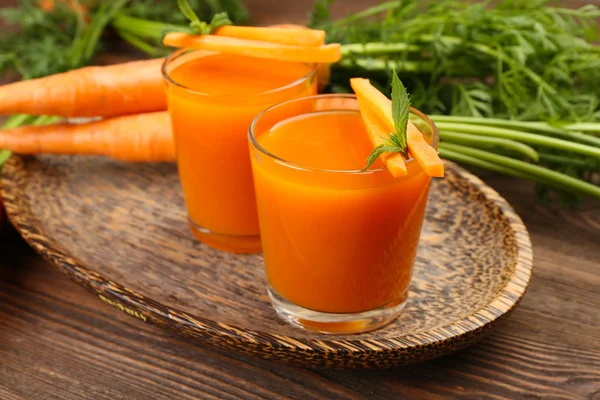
(119, 89)
(142, 137)
(394, 161)
(323, 70)
(375, 100)
(290, 36)
(425, 155)
(255, 48)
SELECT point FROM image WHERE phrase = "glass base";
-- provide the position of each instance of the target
(335, 323)
(231, 243)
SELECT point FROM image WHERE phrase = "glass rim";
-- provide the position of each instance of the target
(171, 57)
(257, 146)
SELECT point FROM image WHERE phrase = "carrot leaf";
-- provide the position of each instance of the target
(200, 27)
(188, 12)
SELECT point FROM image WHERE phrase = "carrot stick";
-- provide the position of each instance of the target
(375, 100)
(119, 89)
(425, 155)
(141, 137)
(323, 70)
(393, 161)
(254, 48)
(289, 36)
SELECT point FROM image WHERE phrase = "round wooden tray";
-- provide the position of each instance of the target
(120, 230)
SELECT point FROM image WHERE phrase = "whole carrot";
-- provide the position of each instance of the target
(141, 137)
(119, 89)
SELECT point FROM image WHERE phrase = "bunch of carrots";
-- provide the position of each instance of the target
(130, 99)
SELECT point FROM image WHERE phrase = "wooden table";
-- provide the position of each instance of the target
(59, 342)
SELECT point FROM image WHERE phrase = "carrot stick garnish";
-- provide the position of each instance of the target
(425, 155)
(294, 45)
(254, 48)
(128, 88)
(375, 100)
(323, 70)
(289, 36)
(393, 161)
(142, 137)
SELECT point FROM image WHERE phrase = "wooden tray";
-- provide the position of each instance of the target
(119, 230)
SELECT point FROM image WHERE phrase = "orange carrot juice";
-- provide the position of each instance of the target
(212, 99)
(339, 243)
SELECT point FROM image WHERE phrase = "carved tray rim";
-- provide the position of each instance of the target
(338, 353)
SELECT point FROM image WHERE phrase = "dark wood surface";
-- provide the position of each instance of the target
(59, 342)
(472, 267)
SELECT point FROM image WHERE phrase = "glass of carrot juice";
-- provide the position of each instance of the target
(212, 98)
(339, 242)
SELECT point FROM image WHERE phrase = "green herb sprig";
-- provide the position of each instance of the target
(396, 142)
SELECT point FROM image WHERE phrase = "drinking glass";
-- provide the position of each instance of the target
(211, 106)
(339, 245)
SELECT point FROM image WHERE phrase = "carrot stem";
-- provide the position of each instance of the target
(376, 48)
(142, 27)
(535, 127)
(523, 137)
(487, 142)
(139, 43)
(14, 121)
(17, 120)
(533, 172)
(369, 12)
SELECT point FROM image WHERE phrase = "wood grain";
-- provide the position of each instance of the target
(59, 342)
(547, 350)
(120, 230)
